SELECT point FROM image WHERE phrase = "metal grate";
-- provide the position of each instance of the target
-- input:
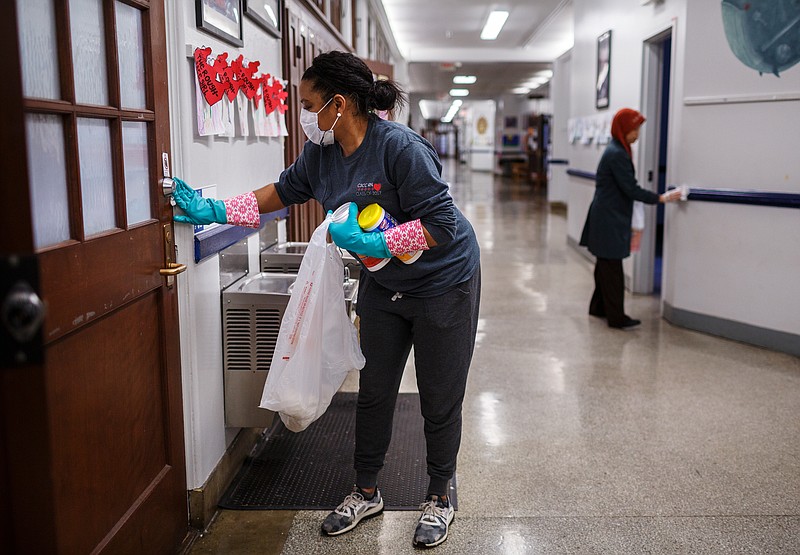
(238, 339)
(251, 320)
(268, 323)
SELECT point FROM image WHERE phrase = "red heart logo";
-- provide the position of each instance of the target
(376, 186)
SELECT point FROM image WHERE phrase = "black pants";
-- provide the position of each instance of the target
(609, 291)
(442, 331)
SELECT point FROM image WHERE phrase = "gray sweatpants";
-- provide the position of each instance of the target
(442, 330)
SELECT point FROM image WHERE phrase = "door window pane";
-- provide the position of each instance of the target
(89, 51)
(137, 171)
(97, 176)
(130, 48)
(39, 54)
(48, 179)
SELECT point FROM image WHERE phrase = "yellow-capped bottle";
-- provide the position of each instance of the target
(370, 262)
(375, 218)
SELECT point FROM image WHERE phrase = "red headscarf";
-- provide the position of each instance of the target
(625, 121)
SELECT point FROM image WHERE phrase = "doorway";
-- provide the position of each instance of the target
(91, 412)
(653, 155)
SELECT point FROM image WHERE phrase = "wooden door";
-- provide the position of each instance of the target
(92, 455)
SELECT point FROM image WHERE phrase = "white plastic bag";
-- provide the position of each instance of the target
(637, 220)
(317, 343)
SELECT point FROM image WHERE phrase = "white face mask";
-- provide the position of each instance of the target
(310, 123)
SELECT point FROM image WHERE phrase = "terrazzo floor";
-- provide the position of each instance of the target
(579, 438)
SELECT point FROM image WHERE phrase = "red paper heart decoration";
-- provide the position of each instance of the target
(223, 71)
(245, 75)
(274, 96)
(269, 101)
(281, 94)
(211, 89)
(232, 76)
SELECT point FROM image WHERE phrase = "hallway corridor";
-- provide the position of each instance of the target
(579, 438)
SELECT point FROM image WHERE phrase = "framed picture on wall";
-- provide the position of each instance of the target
(222, 19)
(267, 13)
(603, 70)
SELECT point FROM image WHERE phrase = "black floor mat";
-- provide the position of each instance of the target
(313, 469)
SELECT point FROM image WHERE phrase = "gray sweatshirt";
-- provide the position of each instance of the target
(399, 170)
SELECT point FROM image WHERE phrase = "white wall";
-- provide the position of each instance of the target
(560, 90)
(235, 165)
(734, 262)
(729, 262)
(481, 145)
(631, 24)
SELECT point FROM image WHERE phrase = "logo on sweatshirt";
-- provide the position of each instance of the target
(368, 189)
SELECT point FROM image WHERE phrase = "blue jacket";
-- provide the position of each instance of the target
(607, 231)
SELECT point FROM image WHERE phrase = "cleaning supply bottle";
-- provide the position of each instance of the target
(370, 262)
(375, 218)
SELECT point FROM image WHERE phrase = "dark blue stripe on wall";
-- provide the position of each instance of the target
(558, 161)
(730, 196)
(207, 243)
(582, 174)
(755, 198)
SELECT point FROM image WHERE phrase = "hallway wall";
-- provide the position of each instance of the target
(727, 263)
(732, 262)
(560, 88)
(235, 165)
(630, 26)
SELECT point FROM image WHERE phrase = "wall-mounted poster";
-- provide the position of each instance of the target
(267, 13)
(759, 35)
(603, 70)
(222, 19)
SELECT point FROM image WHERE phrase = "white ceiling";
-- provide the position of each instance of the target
(441, 38)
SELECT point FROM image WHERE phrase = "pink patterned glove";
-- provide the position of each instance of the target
(243, 210)
(407, 237)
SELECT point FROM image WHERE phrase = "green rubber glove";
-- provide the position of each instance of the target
(349, 235)
(199, 210)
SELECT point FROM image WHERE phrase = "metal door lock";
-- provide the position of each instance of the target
(168, 187)
(22, 312)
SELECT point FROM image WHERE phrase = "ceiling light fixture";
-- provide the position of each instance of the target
(459, 92)
(451, 113)
(521, 90)
(464, 79)
(494, 24)
(423, 107)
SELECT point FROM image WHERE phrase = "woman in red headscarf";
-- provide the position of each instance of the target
(607, 231)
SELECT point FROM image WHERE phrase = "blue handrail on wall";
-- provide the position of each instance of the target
(729, 196)
(755, 198)
(582, 174)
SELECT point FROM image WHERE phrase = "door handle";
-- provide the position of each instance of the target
(22, 312)
(167, 185)
(172, 269)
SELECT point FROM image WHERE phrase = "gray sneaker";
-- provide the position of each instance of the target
(354, 508)
(434, 522)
